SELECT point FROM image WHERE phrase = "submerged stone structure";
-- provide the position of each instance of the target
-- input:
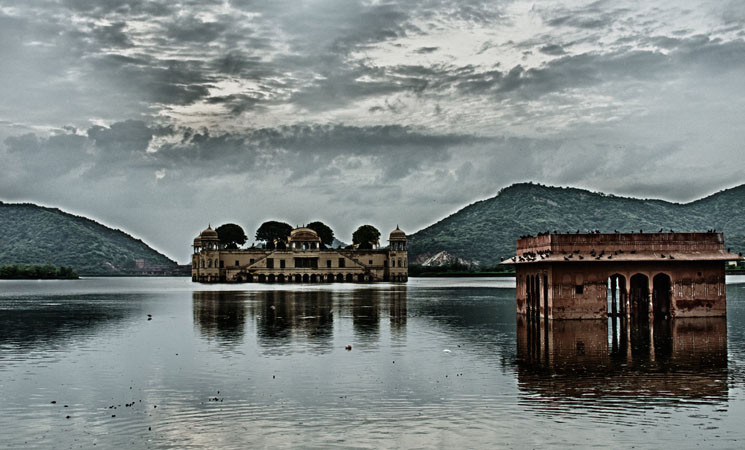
(596, 276)
(301, 260)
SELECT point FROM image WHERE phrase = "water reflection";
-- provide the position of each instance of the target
(28, 323)
(220, 315)
(289, 321)
(674, 362)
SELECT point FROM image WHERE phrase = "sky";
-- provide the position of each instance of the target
(161, 117)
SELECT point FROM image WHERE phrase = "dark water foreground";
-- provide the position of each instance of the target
(434, 364)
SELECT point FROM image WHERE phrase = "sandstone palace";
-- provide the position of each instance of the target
(302, 259)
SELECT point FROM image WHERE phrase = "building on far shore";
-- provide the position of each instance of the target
(302, 261)
(594, 276)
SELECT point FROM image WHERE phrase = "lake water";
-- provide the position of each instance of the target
(435, 363)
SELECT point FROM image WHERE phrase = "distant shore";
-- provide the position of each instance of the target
(37, 272)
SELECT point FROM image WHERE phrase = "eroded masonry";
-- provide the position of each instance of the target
(595, 275)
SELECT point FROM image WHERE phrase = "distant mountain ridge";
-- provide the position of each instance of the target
(32, 234)
(485, 230)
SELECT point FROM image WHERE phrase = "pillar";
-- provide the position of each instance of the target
(613, 285)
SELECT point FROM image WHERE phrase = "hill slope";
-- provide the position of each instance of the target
(488, 229)
(33, 234)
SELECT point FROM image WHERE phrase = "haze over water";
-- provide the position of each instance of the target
(440, 363)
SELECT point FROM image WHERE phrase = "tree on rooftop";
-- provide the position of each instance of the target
(272, 230)
(231, 235)
(324, 232)
(366, 237)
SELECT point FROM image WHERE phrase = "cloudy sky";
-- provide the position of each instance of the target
(159, 117)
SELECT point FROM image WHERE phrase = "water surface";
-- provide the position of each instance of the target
(435, 363)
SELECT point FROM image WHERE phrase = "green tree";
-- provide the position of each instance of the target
(273, 230)
(231, 235)
(324, 232)
(366, 237)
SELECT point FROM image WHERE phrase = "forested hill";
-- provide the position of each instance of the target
(486, 230)
(31, 234)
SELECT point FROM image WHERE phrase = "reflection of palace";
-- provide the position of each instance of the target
(572, 358)
(292, 320)
(220, 315)
(301, 260)
(595, 276)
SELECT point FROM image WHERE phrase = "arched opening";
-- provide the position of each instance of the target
(639, 295)
(281, 278)
(545, 298)
(350, 277)
(537, 297)
(270, 278)
(329, 277)
(616, 295)
(340, 277)
(262, 278)
(528, 298)
(360, 277)
(298, 278)
(313, 278)
(661, 294)
(249, 278)
(306, 278)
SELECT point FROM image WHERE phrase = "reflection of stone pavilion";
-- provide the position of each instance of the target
(593, 276)
(302, 260)
(570, 360)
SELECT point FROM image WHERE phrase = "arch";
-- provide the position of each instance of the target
(661, 295)
(306, 278)
(313, 278)
(280, 278)
(361, 277)
(616, 293)
(639, 295)
(270, 278)
(340, 277)
(329, 277)
(249, 278)
(298, 278)
(350, 277)
(262, 278)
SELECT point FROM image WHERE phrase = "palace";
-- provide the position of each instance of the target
(303, 260)
(645, 275)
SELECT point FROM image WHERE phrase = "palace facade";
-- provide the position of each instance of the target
(303, 260)
(645, 275)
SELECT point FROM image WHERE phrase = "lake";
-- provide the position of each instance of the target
(435, 363)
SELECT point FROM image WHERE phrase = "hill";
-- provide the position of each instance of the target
(34, 234)
(488, 229)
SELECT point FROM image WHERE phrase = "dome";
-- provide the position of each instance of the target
(397, 235)
(304, 234)
(197, 241)
(208, 235)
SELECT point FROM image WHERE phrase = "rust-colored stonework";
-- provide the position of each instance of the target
(593, 276)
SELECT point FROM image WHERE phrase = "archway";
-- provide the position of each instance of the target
(313, 278)
(350, 277)
(298, 278)
(617, 294)
(249, 278)
(270, 278)
(360, 277)
(262, 278)
(661, 295)
(280, 278)
(639, 295)
(340, 277)
(306, 278)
